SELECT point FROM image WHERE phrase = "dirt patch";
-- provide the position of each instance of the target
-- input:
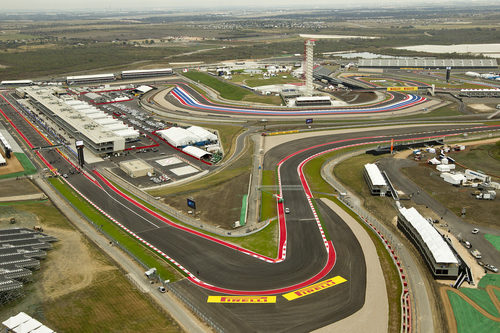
(481, 107)
(11, 187)
(70, 266)
(403, 154)
(13, 165)
(219, 204)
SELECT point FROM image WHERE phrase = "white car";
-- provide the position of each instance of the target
(475, 230)
(287, 210)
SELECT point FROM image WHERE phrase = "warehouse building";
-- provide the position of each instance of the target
(85, 79)
(136, 168)
(134, 74)
(375, 180)
(79, 119)
(437, 253)
(408, 63)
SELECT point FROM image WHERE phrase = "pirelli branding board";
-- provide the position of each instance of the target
(402, 88)
(241, 299)
(314, 288)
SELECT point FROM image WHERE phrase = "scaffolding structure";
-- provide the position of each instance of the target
(309, 66)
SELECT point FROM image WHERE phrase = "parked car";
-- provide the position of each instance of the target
(467, 244)
(475, 231)
(491, 268)
(287, 210)
(476, 254)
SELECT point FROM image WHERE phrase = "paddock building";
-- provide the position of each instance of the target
(435, 250)
(100, 132)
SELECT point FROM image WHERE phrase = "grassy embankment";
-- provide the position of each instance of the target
(351, 173)
(229, 91)
(142, 252)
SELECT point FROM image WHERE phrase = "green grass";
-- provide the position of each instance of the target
(468, 319)
(29, 168)
(483, 157)
(268, 202)
(230, 91)
(482, 299)
(494, 240)
(140, 251)
(255, 82)
(107, 305)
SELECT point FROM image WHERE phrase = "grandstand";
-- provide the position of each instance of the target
(479, 92)
(409, 63)
(313, 101)
(20, 251)
(133, 74)
(95, 78)
(16, 83)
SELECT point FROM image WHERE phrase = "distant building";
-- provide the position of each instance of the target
(408, 63)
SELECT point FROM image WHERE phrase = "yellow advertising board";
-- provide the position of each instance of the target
(402, 88)
(241, 299)
(314, 288)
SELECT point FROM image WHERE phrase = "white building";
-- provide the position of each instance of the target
(375, 180)
(78, 118)
(436, 252)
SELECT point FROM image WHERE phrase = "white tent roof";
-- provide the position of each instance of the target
(144, 89)
(16, 320)
(43, 329)
(375, 174)
(178, 137)
(27, 326)
(202, 133)
(195, 151)
(439, 249)
(97, 115)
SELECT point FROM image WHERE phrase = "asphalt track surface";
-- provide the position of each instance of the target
(186, 97)
(233, 269)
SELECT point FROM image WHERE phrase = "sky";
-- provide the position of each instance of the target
(111, 5)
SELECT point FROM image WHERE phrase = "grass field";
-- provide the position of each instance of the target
(143, 253)
(482, 157)
(469, 319)
(230, 91)
(268, 202)
(494, 240)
